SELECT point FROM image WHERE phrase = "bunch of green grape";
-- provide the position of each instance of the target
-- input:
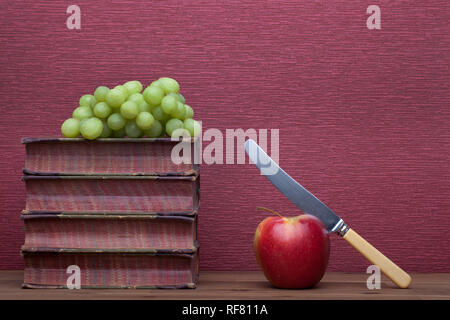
(128, 111)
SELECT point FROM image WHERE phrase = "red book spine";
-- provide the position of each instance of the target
(111, 269)
(50, 156)
(81, 231)
(124, 194)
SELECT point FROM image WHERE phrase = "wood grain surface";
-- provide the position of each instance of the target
(363, 114)
(247, 286)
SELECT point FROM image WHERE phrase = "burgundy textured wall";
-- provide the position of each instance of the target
(363, 114)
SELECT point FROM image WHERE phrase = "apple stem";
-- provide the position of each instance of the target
(270, 210)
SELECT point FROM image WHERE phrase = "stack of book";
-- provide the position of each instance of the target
(118, 209)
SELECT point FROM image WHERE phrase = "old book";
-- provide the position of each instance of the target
(119, 209)
(112, 194)
(165, 233)
(111, 268)
(144, 156)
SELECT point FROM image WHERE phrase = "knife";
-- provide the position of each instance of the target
(308, 203)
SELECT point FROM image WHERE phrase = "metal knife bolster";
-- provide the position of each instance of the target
(340, 228)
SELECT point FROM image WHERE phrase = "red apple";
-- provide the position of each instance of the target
(292, 251)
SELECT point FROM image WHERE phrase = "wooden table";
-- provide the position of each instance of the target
(247, 285)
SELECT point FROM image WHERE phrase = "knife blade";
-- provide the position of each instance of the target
(310, 204)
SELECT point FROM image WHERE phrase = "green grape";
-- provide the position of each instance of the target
(88, 100)
(177, 96)
(91, 128)
(169, 85)
(133, 86)
(144, 107)
(181, 132)
(169, 104)
(153, 95)
(159, 114)
(193, 127)
(172, 125)
(156, 83)
(155, 130)
(136, 97)
(83, 112)
(179, 112)
(102, 110)
(181, 98)
(100, 93)
(116, 121)
(71, 128)
(106, 132)
(115, 98)
(83, 121)
(129, 110)
(166, 117)
(189, 112)
(123, 90)
(144, 120)
(132, 130)
(115, 110)
(119, 133)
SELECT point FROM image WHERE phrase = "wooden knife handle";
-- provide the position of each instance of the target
(390, 269)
